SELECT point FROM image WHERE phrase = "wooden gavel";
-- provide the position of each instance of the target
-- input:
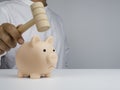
(39, 18)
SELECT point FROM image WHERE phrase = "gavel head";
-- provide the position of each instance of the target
(40, 17)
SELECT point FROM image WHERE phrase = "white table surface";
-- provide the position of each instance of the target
(66, 79)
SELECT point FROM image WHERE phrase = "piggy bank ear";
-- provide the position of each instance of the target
(34, 40)
(49, 40)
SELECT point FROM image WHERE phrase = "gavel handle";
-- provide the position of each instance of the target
(26, 26)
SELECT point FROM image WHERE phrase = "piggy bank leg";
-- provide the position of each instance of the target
(48, 75)
(35, 76)
(20, 74)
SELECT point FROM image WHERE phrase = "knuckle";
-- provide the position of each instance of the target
(7, 39)
(1, 51)
(14, 45)
(1, 28)
(1, 31)
(12, 27)
(6, 48)
(5, 25)
(16, 35)
(9, 27)
(3, 46)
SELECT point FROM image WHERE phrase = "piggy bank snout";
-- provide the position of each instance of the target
(52, 59)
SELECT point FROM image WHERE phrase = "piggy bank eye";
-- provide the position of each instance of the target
(44, 50)
(53, 50)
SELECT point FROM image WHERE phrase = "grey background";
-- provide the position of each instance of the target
(93, 31)
(4, 0)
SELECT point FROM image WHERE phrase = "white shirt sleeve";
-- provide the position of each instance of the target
(3, 16)
(3, 19)
(66, 47)
(1, 56)
(64, 51)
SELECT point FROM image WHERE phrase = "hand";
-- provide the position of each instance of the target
(9, 37)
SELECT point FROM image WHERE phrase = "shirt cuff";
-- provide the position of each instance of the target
(1, 56)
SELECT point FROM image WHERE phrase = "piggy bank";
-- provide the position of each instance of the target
(36, 58)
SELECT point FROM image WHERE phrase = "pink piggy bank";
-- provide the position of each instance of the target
(36, 58)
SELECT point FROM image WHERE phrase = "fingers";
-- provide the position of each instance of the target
(1, 52)
(8, 40)
(3, 46)
(13, 32)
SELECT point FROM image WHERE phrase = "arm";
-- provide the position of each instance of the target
(9, 36)
(3, 19)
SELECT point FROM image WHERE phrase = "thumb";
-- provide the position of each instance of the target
(19, 26)
(20, 40)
